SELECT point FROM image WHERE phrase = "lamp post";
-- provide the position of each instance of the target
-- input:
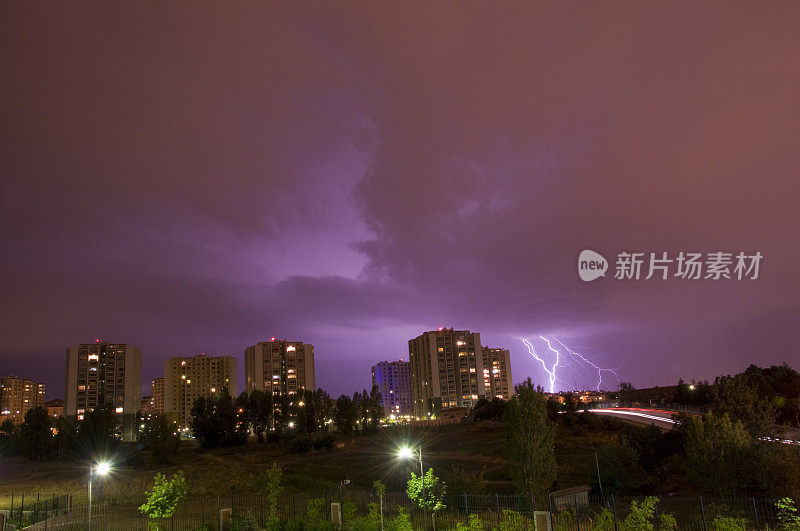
(407, 453)
(101, 469)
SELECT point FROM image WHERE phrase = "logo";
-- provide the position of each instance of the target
(591, 265)
(716, 265)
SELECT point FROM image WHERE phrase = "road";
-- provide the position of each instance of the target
(663, 419)
(659, 418)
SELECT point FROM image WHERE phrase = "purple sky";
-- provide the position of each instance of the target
(196, 178)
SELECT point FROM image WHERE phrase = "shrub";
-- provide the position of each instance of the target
(787, 514)
(642, 516)
(324, 441)
(729, 523)
(603, 520)
(475, 524)
(512, 521)
(301, 444)
(401, 522)
(315, 511)
(369, 522)
(245, 522)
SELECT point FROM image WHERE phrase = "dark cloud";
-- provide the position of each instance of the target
(197, 180)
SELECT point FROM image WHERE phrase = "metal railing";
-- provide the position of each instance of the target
(573, 513)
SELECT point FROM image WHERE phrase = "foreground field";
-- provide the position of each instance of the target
(468, 456)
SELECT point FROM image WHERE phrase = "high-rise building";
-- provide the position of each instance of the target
(445, 366)
(158, 395)
(188, 378)
(496, 373)
(104, 375)
(393, 379)
(279, 366)
(17, 396)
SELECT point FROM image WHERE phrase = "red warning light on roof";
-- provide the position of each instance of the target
(441, 328)
(97, 340)
(272, 339)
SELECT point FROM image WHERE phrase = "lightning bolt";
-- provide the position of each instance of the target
(600, 370)
(550, 372)
(567, 359)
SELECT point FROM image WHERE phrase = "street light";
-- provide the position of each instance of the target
(407, 452)
(100, 469)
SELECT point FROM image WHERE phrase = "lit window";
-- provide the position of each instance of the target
(118, 410)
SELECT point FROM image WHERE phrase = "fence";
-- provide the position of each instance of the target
(24, 509)
(612, 514)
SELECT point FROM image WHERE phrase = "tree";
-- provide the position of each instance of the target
(375, 411)
(241, 408)
(270, 483)
(657, 449)
(66, 436)
(488, 409)
(718, 452)
(427, 492)
(259, 413)
(618, 467)
(738, 398)
(97, 434)
(380, 490)
(307, 421)
(34, 436)
(530, 440)
(163, 500)
(345, 415)
(7, 429)
(161, 436)
(214, 420)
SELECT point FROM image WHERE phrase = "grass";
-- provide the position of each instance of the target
(361, 459)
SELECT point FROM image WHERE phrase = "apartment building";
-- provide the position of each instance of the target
(188, 378)
(104, 375)
(17, 396)
(279, 366)
(393, 379)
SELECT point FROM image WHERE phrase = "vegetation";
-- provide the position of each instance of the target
(160, 435)
(642, 517)
(271, 485)
(163, 499)
(617, 467)
(787, 514)
(427, 492)
(718, 454)
(530, 440)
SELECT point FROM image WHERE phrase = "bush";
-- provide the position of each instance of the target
(367, 523)
(512, 521)
(301, 444)
(245, 522)
(787, 514)
(565, 518)
(475, 524)
(315, 511)
(401, 522)
(603, 520)
(729, 523)
(642, 515)
(324, 441)
(299, 524)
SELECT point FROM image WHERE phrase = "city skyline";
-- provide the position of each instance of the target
(354, 177)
